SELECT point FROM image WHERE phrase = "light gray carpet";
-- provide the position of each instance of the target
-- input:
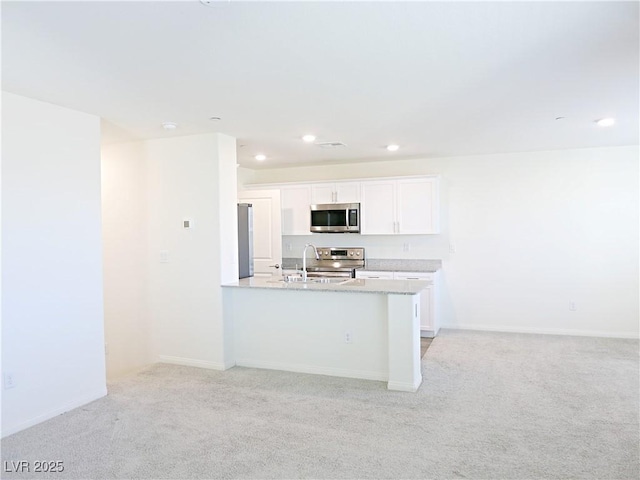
(492, 406)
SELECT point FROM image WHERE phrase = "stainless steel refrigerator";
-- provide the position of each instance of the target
(245, 240)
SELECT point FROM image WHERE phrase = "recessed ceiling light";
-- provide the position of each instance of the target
(392, 147)
(606, 122)
(169, 125)
(309, 138)
(215, 119)
(260, 157)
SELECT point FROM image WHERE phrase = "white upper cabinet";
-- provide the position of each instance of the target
(402, 206)
(417, 206)
(295, 201)
(337, 192)
(322, 193)
(378, 208)
(390, 206)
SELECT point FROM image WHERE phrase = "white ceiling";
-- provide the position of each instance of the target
(437, 78)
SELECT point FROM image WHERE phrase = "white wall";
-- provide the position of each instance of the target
(187, 178)
(163, 300)
(533, 232)
(128, 332)
(52, 313)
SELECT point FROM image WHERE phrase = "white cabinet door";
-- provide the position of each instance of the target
(347, 192)
(426, 276)
(417, 206)
(295, 210)
(378, 208)
(429, 325)
(427, 317)
(323, 193)
(339, 192)
(267, 240)
(374, 275)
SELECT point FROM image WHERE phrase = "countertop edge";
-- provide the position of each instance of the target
(373, 286)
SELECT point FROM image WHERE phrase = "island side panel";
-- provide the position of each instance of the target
(404, 342)
(305, 331)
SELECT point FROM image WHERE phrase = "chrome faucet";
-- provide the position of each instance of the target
(304, 260)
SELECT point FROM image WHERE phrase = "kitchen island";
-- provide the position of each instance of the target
(354, 328)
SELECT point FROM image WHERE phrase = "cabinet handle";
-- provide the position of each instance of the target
(276, 265)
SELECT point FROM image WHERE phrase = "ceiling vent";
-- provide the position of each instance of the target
(330, 145)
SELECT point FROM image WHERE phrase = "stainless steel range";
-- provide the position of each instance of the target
(336, 262)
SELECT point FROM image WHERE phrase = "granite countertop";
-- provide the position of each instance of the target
(352, 285)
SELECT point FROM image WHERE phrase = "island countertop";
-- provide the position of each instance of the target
(349, 285)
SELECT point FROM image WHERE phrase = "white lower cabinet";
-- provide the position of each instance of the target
(429, 325)
(372, 274)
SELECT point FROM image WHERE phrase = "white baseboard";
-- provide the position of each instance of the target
(543, 331)
(85, 399)
(300, 368)
(405, 387)
(191, 362)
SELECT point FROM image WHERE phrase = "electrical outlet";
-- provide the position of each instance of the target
(289, 247)
(572, 306)
(164, 256)
(8, 380)
(452, 248)
(406, 247)
(348, 337)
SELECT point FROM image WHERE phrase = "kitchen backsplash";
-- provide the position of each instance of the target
(403, 265)
(389, 247)
(382, 264)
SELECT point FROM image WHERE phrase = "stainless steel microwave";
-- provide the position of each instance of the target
(335, 218)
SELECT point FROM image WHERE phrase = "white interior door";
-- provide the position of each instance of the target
(267, 239)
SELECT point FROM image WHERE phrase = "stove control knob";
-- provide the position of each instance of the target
(326, 253)
(351, 253)
(358, 253)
